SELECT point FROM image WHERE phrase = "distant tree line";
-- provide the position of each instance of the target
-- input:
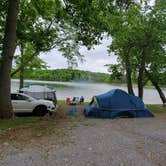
(66, 75)
(115, 76)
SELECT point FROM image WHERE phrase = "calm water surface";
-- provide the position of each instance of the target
(70, 89)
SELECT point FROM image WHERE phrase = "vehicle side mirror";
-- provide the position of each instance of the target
(29, 100)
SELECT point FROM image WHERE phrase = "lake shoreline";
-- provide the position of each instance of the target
(88, 82)
(88, 90)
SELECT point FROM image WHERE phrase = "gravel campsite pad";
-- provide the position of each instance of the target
(99, 142)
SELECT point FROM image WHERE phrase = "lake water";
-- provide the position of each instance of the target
(70, 89)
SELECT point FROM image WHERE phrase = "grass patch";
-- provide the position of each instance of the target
(40, 131)
(155, 108)
(16, 122)
(61, 102)
(32, 131)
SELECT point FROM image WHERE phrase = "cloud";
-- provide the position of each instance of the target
(95, 59)
(54, 59)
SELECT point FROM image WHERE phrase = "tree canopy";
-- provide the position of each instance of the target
(137, 29)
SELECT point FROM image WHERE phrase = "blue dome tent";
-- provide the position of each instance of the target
(116, 103)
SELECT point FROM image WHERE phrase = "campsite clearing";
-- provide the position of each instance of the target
(94, 142)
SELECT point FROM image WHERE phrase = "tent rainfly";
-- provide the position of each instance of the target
(116, 103)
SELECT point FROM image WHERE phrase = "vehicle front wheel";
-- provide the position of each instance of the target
(40, 111)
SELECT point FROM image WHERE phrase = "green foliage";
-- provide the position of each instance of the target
(117, 73)
(66, 75)
(27, 51)
(44, 25)
(65, 25)
(45, 29)
(142, 33)
(38, 23)
(89, 19)
(17, 122)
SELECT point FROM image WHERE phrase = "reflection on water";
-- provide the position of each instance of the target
(70, 89)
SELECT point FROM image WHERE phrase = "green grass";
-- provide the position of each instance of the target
(30, 121)
(60, 102)
(16, 122)
(156, 108)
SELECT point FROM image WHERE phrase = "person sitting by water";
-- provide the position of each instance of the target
(73, 102)
(81, 99)
(77, 100)
(74, 99)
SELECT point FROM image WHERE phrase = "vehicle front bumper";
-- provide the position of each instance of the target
(51, 109)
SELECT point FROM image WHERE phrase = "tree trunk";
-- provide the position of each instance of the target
(21, 68)
(128, 74)
(8, 50)
(140, 82)
(21, 77)
(141, 76)
(155, 84)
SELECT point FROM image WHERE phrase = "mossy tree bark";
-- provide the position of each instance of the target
(9, 45)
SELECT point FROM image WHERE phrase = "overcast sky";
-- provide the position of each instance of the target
(95, 59)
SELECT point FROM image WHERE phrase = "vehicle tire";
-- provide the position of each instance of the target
(40, 110)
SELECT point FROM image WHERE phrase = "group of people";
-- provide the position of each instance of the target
(75, 100)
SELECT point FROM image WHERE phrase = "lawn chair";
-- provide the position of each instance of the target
(68, 100)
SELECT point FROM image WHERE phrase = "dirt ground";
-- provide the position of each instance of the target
(96, 142)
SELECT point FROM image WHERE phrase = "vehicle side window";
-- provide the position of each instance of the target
(18, 97)
(13, 96)
(21, 97)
